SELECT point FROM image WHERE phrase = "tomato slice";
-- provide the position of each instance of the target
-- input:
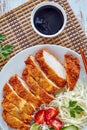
(56, 124)
(40, 117)
(49, 114)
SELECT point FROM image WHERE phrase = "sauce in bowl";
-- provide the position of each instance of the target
(48, 20)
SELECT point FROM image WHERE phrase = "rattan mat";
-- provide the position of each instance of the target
(17, 27)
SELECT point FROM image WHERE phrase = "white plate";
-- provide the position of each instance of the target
(16, 65)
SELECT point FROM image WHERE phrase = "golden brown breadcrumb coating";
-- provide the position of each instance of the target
(14, 122)
(51, 74)
(72, 66)
(36, 89)
(23, 92)
(14, 111)
(11, 96)
(35, 71)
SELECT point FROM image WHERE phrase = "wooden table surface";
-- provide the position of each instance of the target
(79, 7)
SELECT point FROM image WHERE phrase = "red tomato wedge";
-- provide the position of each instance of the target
(49, 114)
(56, 124)
(40, 117)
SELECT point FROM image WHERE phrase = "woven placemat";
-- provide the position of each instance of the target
(17, 27)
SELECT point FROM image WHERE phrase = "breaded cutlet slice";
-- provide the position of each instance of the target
(18, 85)
(11, 96)
(72, 66)
(14, 122)
(38, 75)
(35, 88)
(52, 67)
(14, 111)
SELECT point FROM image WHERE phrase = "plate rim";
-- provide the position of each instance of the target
(43, 45)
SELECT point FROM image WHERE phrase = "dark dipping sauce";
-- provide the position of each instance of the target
(48, 20)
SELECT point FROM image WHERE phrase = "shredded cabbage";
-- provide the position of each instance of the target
(61, 102)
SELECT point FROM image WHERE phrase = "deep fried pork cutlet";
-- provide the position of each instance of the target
(14, 122)
(72, 66)
(11, 96)
(14, 111)
(42, 76)
(35, 71)
(52, 67)
(36, 89)
(19, 87)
